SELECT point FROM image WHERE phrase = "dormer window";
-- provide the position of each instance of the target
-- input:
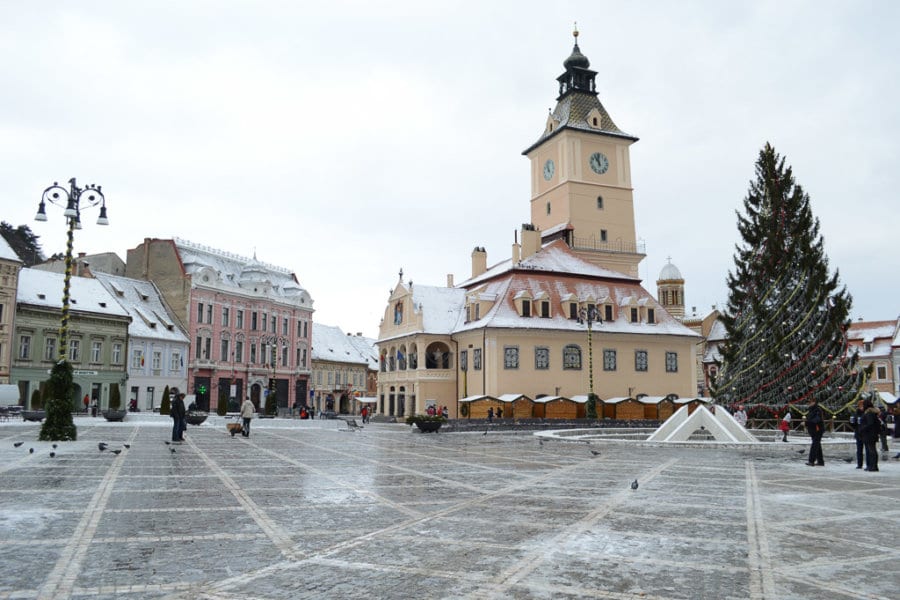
(608, 312)
(634, 315)
(651, 316)
(573, 310)
(526, 308)
(544, 307)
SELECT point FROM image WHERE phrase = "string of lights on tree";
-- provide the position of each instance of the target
(787, 317)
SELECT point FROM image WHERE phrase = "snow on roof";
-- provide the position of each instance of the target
(45, 288)
(554, 257)
(476, 398)
(871, 330)
(331, 344)
(512, 397)
(150, 317)
(235, 270)
(442, 307)
(548, 399)
(6, 251)
(717, 332)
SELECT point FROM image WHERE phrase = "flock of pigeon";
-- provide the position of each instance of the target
(102, 446)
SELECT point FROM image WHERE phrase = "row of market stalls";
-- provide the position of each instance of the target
(520, 406)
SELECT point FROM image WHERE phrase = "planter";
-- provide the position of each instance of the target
(34, 415)
(429, 426)
(114, 415)
(195, 417)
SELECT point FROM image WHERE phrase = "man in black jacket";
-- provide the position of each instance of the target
(869, 431)
(855, 420)
(815, 426)
(177, 413)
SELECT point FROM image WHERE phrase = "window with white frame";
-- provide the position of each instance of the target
(137, 358)
(50, 349)
(24, 346)
(175, 363)
(117, 353)
(96, 351)
(226, 314)
(156, 361)
(75, 350)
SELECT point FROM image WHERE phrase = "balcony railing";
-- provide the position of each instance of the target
(616, 246)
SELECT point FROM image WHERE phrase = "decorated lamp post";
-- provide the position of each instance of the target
(58, 424)
(274, 342)
(588, 315)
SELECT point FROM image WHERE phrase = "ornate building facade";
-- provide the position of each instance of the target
(250, 323)
(565, 314)
(10, 265)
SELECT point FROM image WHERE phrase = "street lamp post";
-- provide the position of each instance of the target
(274, 341)
(588, 315)
(58, 424)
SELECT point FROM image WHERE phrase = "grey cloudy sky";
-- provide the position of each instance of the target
(345, 140)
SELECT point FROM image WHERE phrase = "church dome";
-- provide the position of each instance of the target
(576, 59)
(670, 273)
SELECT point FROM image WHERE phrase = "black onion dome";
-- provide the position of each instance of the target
(576, 59)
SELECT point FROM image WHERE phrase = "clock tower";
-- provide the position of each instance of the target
(581, 174)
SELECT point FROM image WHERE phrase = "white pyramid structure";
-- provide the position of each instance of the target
(720, 424)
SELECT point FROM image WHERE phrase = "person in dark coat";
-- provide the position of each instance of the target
(177, 413)
(855, 420)
(869, 431)
(815, 426)
(882, 432)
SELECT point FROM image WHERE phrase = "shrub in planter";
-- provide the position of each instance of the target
(115, 397)
(222, 406)
(426, 423)
(271, 403)
(36, 400)
(58, 425)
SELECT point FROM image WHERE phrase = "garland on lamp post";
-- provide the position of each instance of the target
(58, 424)
(588, 315)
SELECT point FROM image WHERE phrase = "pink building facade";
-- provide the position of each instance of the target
(250, 323)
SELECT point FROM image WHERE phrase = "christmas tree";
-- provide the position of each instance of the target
(787, 316)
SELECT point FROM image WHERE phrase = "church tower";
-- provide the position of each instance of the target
(581, 175)
(670, 290)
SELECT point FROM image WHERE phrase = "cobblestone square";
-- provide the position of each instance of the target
(309, 509)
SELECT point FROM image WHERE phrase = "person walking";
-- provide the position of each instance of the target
(740, 416)
(247, 410)
(177, 412)
(815, 426)
(855, 421)
(785, 424)
(869, 431)
(882, 430)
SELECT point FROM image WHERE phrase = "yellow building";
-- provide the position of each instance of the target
(565, 314)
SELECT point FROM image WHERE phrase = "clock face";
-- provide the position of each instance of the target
(599, 163)
(549, 168)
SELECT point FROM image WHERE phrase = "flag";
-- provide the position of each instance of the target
(399, 355)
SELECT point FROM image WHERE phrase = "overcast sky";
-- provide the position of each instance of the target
(345, 140)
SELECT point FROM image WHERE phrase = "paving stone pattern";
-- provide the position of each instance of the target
(311, 510)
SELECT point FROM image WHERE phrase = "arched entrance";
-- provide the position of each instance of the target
(255, 392)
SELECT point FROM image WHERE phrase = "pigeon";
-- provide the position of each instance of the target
(116, 452)
(634, 484)
(17, 444)
(54, 446)
(541, 442)
(31, 451)
(167, 442)
(800, 451)
(127, 445)
(172, 450)
(102, 446)
(595, 453)
(485, 432)
(52, 454)
(848, 460)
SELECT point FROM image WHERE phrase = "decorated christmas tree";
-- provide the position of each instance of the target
(787, 316)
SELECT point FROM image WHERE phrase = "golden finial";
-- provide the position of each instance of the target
(575, 32)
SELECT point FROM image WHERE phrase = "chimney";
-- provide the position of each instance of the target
(449, 280)
(516, 253)
(531, 240)
(479, 261)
